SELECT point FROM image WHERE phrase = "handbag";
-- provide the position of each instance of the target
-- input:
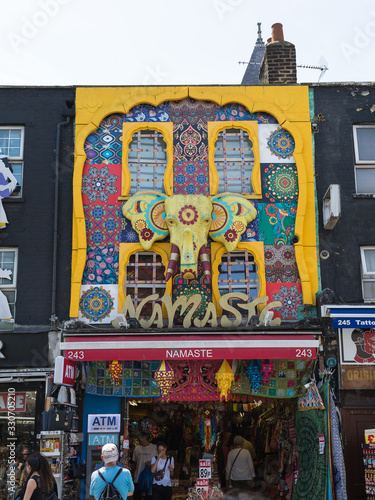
(159, 474)
(60, 419)
(230, 472)
(78, 468)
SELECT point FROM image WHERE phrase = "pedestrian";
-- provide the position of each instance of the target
(162, 467)
(240, 468)
(33, 486)
(99, 478)
(49, 486)
(142, 456)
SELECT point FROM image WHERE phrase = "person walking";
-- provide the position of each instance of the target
(162, 467)
(33, 487)
(99, 478)
(142, 456)
(240, 468)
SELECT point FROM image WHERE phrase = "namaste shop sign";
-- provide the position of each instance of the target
(190, 305)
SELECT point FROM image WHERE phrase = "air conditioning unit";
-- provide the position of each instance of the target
(331, 206)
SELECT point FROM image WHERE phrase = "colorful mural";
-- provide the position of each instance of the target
(283, 214)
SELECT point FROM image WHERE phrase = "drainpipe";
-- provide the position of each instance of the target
(53, 317)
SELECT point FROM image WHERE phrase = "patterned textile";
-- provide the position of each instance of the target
(104, 144)
(128, 235)
(290, 294)
(276, 223)
(191, 177)
(103, 224)
(280, 182)
(313, 467)
(234, 112)
(280, 264)
(189, 288)
(252, 230)
(101, 183)
(287, 380)
(339, 472)
(148, 113)
(311, 400)
(195, 380)
(136, 379)
(276, 145)
(101, 265)
(191, 111)
(98, 304)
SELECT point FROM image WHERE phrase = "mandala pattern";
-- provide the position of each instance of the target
(148, 113)
(128, 235)
(276, 223)
(103, 224)
(280, 264)
(104, 144)
(290, 295)
(96, 303)
(191, 177)
(280, 182)
(101, 266)
(100, 184)
(281, 143)
(188, 215)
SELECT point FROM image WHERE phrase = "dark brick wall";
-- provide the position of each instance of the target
(279, 64)
(30, 225)
(342, 107)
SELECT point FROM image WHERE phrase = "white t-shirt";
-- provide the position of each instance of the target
(166, 481)
(141, 455)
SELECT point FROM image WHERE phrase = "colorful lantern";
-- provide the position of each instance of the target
(115, 369)
(266, 371)
(253, 372)
(224, 378)
(164, 376)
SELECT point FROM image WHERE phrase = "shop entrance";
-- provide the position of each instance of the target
(191, 431)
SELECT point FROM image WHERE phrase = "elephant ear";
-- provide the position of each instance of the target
(231, 214)
(146, 212)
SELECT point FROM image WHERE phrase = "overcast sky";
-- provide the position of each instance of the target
(166, 42)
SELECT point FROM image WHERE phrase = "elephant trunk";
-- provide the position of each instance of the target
(205, 261)
(172, 265)
(188, 256)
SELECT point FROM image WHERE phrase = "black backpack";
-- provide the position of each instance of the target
(110, 492)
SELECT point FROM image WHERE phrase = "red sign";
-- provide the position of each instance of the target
(65, 370)
(12, 401)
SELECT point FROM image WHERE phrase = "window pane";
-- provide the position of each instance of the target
(366, 144)
(370, 259)
(7, 263)
(365, 180)
(10, 142)
(369, 290)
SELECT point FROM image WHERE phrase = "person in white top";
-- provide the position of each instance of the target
(142, 456)
(240, 467)
(162, 467)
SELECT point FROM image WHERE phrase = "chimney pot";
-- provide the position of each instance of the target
(277, 32)
(269, 40)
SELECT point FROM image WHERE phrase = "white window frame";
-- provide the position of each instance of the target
(361, 164)
(16, 159)
(156, 164)
(9, 287)
(367, 276)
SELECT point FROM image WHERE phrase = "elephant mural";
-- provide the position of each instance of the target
(189, 219)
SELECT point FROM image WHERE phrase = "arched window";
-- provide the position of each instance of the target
(238, 273)
(144, 276)
(234, 161)
(147, 161)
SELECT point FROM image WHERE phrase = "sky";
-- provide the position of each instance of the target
(178, 42)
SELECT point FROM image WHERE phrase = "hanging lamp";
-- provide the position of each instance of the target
(164, 376)
(224, 378)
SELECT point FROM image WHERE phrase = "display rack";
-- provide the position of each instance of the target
(369, 464)
(52, 446)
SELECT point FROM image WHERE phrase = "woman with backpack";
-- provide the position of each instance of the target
(162, 468)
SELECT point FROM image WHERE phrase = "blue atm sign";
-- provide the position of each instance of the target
(353, 322)
(104, 423)
(102, 439)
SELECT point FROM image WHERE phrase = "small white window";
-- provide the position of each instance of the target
(8, 287)
(147, 161)
(364, 150)
(368, 273)
(144, 276)
(234, 161)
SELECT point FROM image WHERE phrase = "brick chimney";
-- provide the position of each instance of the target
(278, 66)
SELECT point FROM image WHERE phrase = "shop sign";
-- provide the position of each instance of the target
(102, 439)
(353, 322)
(64, 371)
(357, 346)
(204, 469)
(358, 377)
(202, 486)
(104, 423)
(12, 401)
(370, 436)
(192, 303)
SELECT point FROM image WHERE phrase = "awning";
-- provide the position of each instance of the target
(201, 346)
